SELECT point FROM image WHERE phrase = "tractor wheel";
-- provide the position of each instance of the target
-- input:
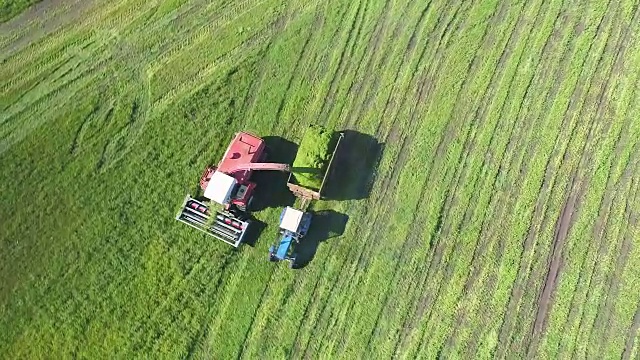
(292, 263)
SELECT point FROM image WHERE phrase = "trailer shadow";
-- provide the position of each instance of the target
(326, 224)
(354, 168)
(271, 190)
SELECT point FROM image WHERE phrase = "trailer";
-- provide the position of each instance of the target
(294, 225)
(305, 194)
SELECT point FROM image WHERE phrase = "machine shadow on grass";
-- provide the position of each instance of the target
(326, 224)
(354, 167)
(271, 186)
(254, 232)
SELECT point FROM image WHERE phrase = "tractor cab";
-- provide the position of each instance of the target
(294, 225)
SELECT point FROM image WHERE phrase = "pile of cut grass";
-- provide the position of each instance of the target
(313, 157)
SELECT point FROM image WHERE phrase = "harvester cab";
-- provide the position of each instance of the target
(225, 190)
(294, 225)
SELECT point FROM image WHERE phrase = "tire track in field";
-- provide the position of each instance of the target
(296, 66)
(576, 188)
(407, 137)
(470, 139)
(138, 330)
(621, 261)
(633, 333)
(322, 63)
(34, 25)
(374, 43)
(394, 135)
(304, 55)
(538, 216)
(635, 323)
(41, 114)
(517, 290)
(346, 54)
(625, 246)
(496, 78)
(331, 292)
(260, 305)
(588, 160)
(349, 279)
(550, 174)
(472, 67)
(513, 127)
(492, 232)
(385, 185)
(187, 87)
(364, 98)
(221, 20)
(295, 347)
(606, 200)
(526, 92)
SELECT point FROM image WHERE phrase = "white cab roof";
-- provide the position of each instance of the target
(291, 219)
(220, 187)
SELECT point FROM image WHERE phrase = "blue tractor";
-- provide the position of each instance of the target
(294, 225)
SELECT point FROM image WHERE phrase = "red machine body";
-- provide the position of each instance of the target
(242, 157)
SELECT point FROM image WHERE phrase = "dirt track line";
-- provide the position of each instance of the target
(407, 138)
(295, 346)
(386, 112)
(355, 85)
(425, 89)
(606, 199)
(621, 262)
(480, 113)
(509, 147)
(528, 244)
(633, 333)
(364, 251)
(470, 142)
(600, 229)
(386, 180)
(562, 228)
(22, 27)
(491, 232)
(635, 323)
(450, 201)
(344, 63)
(395, 132)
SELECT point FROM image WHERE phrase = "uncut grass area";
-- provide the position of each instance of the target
(489, 194)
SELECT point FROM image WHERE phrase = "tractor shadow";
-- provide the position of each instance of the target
(326, 224)
(354, 168)
(271, 190)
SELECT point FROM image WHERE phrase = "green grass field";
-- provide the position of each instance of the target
(491, 183)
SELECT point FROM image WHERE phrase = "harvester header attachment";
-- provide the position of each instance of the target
(221, 225)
